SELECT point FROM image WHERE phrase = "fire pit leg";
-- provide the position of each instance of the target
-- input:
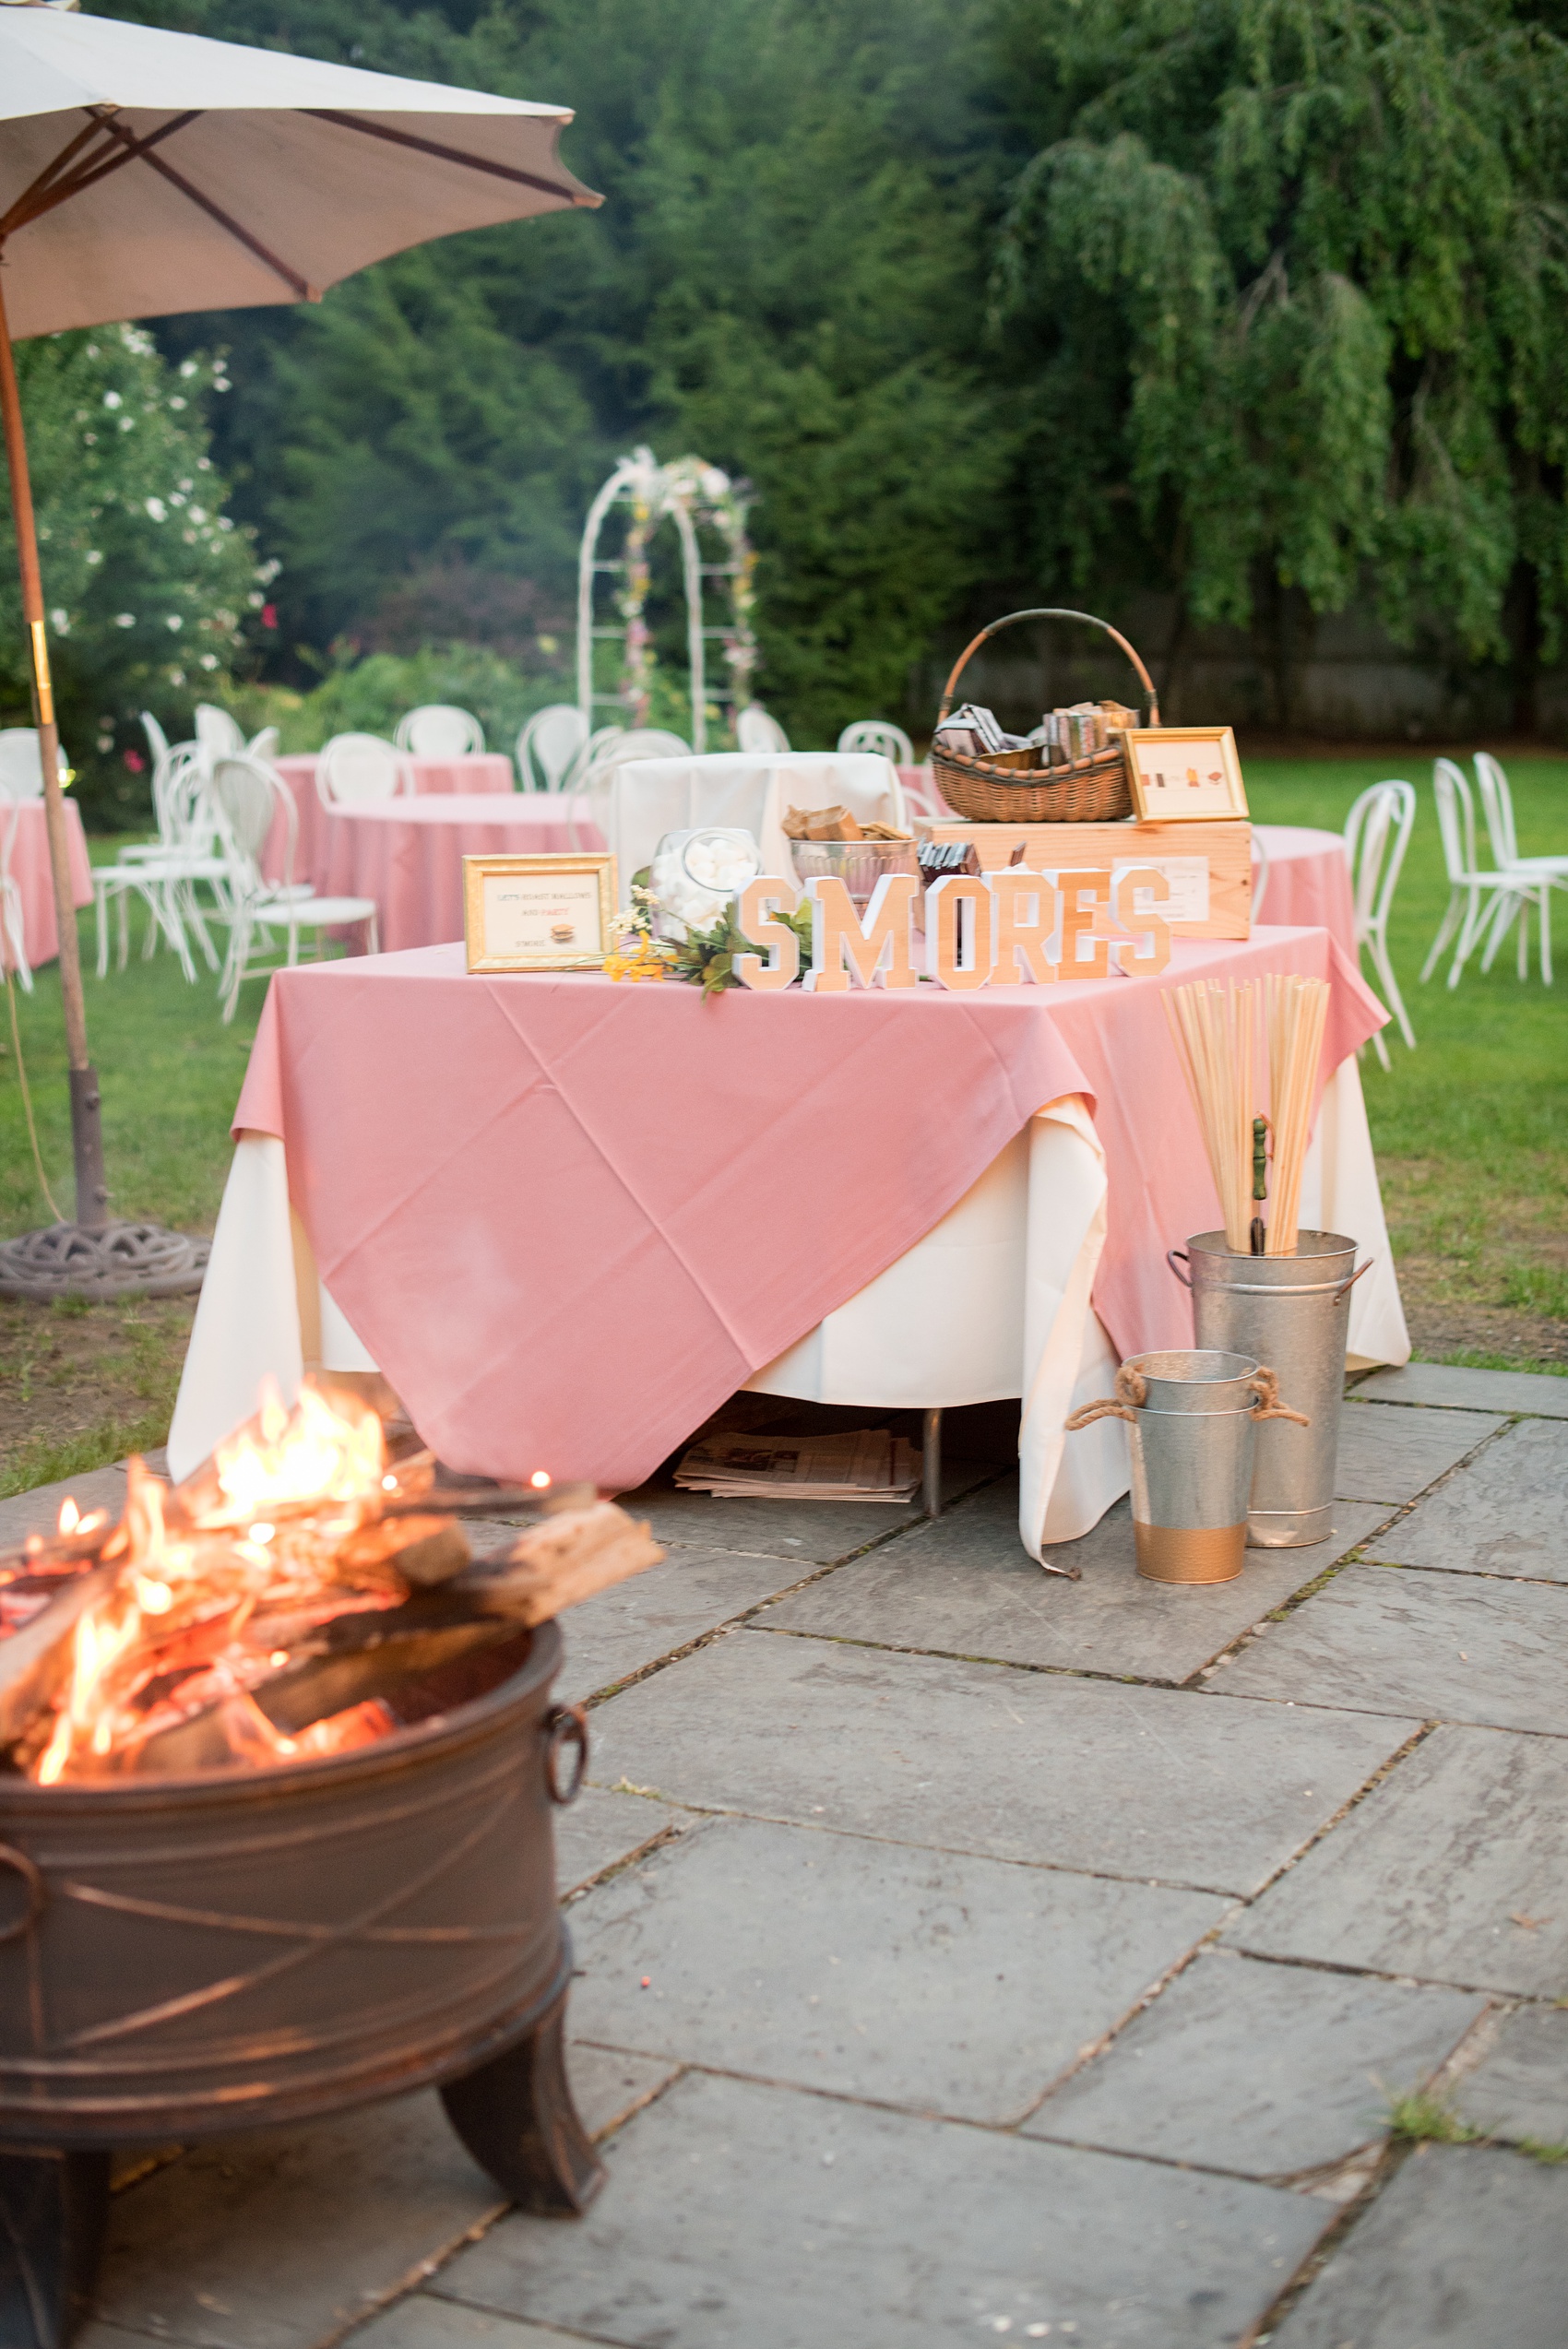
(53, 2214)
(516, 2118)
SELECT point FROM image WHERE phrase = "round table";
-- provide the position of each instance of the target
(408, 854)
(475, 771)
(1309, 881)
(22, 825)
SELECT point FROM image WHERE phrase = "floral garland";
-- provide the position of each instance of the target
(709, 495)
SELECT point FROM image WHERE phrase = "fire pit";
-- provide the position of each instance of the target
(285, 1930)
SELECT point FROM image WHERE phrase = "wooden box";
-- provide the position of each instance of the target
(1208, 865)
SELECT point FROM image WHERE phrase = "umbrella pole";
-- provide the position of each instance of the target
(92, 1257)
(87, 1130)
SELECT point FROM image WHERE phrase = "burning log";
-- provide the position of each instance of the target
(561, 1562)
(33, 1662)
(295, 1596)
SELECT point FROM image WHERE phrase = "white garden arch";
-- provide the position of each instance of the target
(692, 496)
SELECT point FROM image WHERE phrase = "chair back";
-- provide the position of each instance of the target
(624, 745)
(185, 819)
(265, 744)
(1260, 884)
(21, 768)
(1456, 819)
(218, 734)
(157, 743)
(439, 730)
(755, 731)
(548, 744)
(876, 734)
(1498, 802)
(1377, 832)
(353, 769)
(244, 798)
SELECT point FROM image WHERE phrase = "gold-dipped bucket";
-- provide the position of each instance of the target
(1193, 1415)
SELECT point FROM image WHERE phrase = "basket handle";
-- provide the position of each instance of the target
(1049, 611)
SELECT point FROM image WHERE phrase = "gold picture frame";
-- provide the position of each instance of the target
(562, 922)
(1184, 773)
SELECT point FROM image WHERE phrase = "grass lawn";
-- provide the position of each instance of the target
(1471, 1128)
(1471, 1131)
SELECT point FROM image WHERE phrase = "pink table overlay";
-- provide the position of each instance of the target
(408, 854)
(475, 771)
(30, 871)
(568, 1217)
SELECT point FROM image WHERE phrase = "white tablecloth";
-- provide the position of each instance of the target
(994, 1302)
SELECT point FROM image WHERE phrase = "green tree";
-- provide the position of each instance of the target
(788, 278)
(149, 583)
(1287, 283)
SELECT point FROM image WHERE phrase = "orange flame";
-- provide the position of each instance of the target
(201, 1587)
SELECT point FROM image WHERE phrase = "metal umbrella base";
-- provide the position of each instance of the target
(119, 1259)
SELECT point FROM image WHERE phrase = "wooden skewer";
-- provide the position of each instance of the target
(1297, 1012)
(1214, 1034)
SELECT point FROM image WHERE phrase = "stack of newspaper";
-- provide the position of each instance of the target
(868, 1465)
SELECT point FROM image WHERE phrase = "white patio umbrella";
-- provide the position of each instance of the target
(143, 172)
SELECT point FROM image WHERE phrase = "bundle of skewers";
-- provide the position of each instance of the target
(1220, 1034)
(303, 1593)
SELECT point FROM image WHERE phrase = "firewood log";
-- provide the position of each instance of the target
(559, 1563)
(35, 1661)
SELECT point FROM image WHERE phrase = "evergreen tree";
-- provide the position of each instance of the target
(1288, 280)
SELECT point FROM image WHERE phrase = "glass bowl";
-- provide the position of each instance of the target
(859, 864)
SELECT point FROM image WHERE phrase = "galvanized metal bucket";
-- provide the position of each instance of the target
(1194, 1415)
(1295, 1313)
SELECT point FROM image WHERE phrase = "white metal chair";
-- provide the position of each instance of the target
(220, 735)
(165, 875)
(625, 744)
(247, 798)
(353, 769)
(548, 744)
(757, 731)
(1377, 833)
(876, 734)
(1474, 895)
(265, 744)
(1536, 875)
(439, 730)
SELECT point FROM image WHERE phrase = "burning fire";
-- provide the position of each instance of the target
(190, 1618)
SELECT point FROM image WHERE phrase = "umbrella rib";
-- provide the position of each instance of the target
(138, 148)
(48, 189)
(457, 155)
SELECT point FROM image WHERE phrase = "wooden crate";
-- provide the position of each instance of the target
(1224, 847)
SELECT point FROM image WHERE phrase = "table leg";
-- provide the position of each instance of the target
(932, 1445)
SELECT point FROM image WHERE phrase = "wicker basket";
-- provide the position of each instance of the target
(1004, 789)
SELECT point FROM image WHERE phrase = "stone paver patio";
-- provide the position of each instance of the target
(964, 1952)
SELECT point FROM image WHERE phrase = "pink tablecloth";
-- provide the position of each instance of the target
(568, 1217)
(408, 854)
(29, 871)
(1309, 882)
(476, 771)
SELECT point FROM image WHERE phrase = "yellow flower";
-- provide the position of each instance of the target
(645, 960)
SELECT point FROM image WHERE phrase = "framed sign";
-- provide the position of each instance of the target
(538, 913)
(1184, 773)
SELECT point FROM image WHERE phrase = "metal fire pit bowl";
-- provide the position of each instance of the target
(183, 1956)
